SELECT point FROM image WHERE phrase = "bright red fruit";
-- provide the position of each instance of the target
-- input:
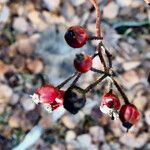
(76, 36)
(58, 101)
(49, 96)
(129, 115)
(83, 63)
(47, 93)
(110, 105)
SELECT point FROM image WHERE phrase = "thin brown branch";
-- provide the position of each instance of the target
(99, 71)
(76, 79)
(109, 57)
(98, 18)
(79, 89)
(91, 86)
(126, 100)
(95, 38)
(96, 54)
(67, 80)
(101, 57)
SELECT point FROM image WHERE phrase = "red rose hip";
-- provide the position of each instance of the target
(83, 63)
(49, 96)
(76, 36)
(129, 115)
(110, 105)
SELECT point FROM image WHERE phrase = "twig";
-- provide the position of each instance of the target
(95, 38)
(67, 80)
(98, 17)
(79, 89)
(126, 100)
(99, 71)
(95, 83)
(76, 79)
(96, 54)
(101, 57)
(109, 56)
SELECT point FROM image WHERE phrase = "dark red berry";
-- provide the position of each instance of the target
(83, 63)
(73, 101)
(76, 36)
(129, 115)
(110, 104)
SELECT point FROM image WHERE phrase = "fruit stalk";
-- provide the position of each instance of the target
(98, 18)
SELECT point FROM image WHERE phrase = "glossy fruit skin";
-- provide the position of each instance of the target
(111, 101)
(73, 102)
(59, 101)
(76, 36)
(129, 115)
(49, 97)
(83, 63)
(47, 93)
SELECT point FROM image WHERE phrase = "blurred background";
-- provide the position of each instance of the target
(33, 50)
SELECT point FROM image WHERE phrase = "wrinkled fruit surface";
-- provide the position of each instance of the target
(76, 36)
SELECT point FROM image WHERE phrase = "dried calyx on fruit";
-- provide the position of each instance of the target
(49, 96)
(129, 115)
(76, 36)
(110, 105)
(83, 63)
(73, 100)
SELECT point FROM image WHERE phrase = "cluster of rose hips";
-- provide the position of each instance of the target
(74, 99)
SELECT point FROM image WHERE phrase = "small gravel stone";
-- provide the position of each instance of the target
(134, 142)
(5, 94)
(105, 146)
(70, 135)
(4, 14)
(68, 122)
(77, 2)
(114, 146)
(27, 103)
(125, 3)
(84, 140)
(111, 10)
(36, 21)
(97, 134)
(20, 24)
(14, 121)
(35, 66)
(2, 108)
(52, 5)
(67, 11)
(147, 117)
(14, 99)
(92, 147)
(140, 102)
